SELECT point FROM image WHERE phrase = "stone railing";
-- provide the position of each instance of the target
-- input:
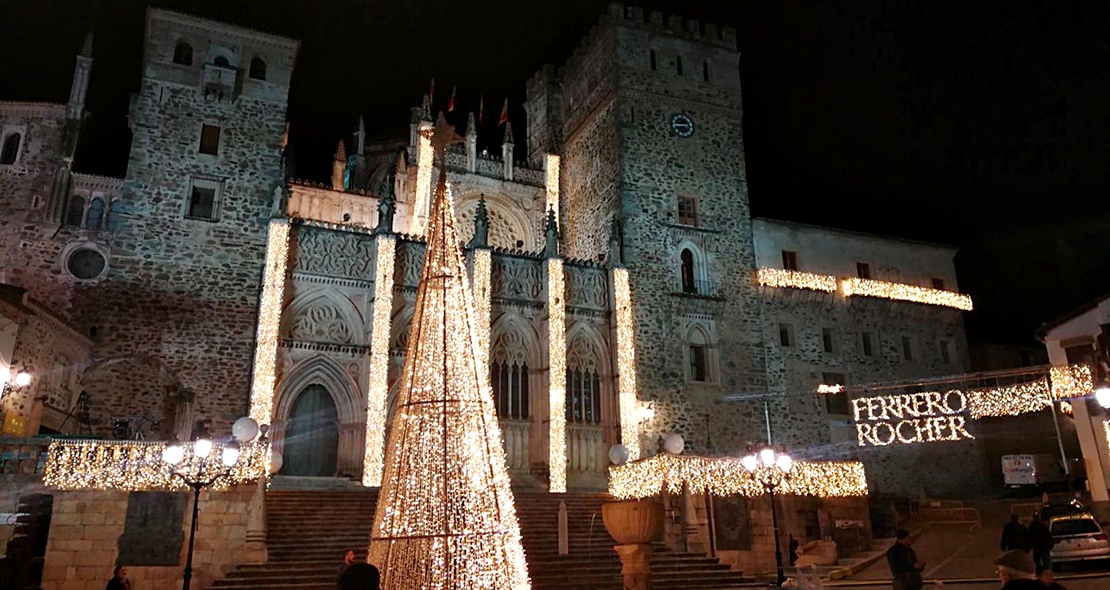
(585, 443)
(516, 434)
(23, 456)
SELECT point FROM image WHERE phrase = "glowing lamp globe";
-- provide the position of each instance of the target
(767, 457)
(750, 462)
(618, 454)
(202, 448)
(673, 443)
(173, 454)
(230, 455)
(1102, 395)
(244, 429)
(23, 379)
(275, 462)
(784, 463)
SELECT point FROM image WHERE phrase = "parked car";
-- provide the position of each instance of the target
(1078, 537)
(1052, 509)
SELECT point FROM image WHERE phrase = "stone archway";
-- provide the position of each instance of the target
(312, 435)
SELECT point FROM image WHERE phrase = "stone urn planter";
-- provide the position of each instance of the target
(634, 524)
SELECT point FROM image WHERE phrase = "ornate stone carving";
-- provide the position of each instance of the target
(321, 321)
(411, 256)
(334, 253)
(587, 287)
(515, 278)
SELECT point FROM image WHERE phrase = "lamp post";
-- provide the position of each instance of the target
(200, 464)
(770, 469)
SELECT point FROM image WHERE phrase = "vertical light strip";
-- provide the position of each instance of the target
(423, 183)
(626, 364)
(552, 185)
(377, 390)
(269, 323)
(557, 375)
(480, 288)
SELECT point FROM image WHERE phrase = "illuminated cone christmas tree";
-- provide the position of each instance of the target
(445, 516)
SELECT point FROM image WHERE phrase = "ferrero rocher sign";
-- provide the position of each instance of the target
(909, 418)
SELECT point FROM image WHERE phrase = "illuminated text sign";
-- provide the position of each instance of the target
(910, 418)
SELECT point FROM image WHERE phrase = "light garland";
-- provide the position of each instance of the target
(777, 277)
(1009, 400)
(378, 390)
(483, 262)
(137, 465)
(1106, 432)
(424, 162)
(269, 323)
(445, 516)
(626, 364)
(830, 389)
(552, 186)
(557, 376)
(851, 286)
(726, 476)
(1071, 381)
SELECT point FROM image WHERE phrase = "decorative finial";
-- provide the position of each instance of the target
(386, 210)
(471, 128)
(481, 225)
(341, 151)
(86, 49)
(551, 235)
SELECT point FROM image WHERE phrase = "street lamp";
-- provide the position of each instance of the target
(9, 381)
(1102, 395)
(770, 468)
(200, 464)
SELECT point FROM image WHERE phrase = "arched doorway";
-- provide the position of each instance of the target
(312, 435)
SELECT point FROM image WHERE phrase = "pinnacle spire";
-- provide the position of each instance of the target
(445, 519)
(86, 49)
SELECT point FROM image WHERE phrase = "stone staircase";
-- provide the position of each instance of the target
(310, 530)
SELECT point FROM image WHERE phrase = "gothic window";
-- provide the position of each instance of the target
(183, 54)
(510, 389)
(204, 199)
(687, 210)
(75, 214)
(221, 61)
(867, 339)
(863, 270)
(114, 214)
(209, 140)
(789, 260)
(705, 70)
(786, 335)
(697, 356)
(678, 64)
(10, 151)
(258, 69)
(828, 341)
(583, 403)
(96, 213)
(907, 348)
(652, 55)
(688, 283)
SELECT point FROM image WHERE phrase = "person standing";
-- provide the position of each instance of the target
(361, 576)
(1040, 539)
(905, 568)
(348, 561)
(119, 579)
(1016, 571)
(1015, 535)
(1048, 579)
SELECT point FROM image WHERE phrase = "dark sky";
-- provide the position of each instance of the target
(980, 124)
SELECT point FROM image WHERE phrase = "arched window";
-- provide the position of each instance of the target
(183, 54)
(698, 355)
(75, 214)
(221, 61)
(96, 213)
(11, 148)
(678, 64)
(258, 69)
(114, 214)
(688, 283)
(583, 402)
(652, 56)
(509, 380)
(705, 70)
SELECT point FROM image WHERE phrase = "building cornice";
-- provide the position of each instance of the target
(34, 109)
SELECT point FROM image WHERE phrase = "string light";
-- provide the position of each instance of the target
(445, 517)
(626, 364)
(378, 390)
(726, 476)
(552, 186)
(830, 389)
(777, 277)
(137, 465)
(269, 322)
(557, 375)
(1065, 407)
(1071, 381)
(1009, 400)
(424, 155)
(902, 292)
(483, 261)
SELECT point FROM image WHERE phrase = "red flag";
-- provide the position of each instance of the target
(432, 91)
(481, 103)
(451, 103)
(504, 114)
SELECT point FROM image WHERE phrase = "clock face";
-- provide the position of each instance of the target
(682, 125)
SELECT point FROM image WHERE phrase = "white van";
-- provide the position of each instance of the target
(1032, 471)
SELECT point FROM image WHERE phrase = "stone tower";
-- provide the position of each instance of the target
(179, 302)
(647, 116)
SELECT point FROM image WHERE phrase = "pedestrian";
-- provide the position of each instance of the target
(348, 561)
(1040, 539)
(1016, 571)
(905, 568)
(1048, 579)
(360, 576)
(1015, 535)
(119, 579)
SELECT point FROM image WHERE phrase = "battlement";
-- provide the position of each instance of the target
(691, 29)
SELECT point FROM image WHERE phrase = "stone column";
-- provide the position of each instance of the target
(255, 551)
(634, 524)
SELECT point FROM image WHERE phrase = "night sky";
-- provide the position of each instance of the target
(979, 124)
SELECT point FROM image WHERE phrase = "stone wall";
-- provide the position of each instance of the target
(85, 528)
